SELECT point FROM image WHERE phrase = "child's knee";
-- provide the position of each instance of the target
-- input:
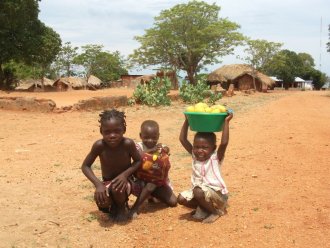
(173, 202)
(181, 200)
(198, 193)
(150, 187)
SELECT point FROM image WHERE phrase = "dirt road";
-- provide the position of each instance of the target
(276, 169)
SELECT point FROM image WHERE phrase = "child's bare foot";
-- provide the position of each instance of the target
(133, 214)
(199, 214)
(211, 218)
(122, 215)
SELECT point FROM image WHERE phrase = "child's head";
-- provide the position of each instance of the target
(113, 126)
(149, 133)
(204, 145)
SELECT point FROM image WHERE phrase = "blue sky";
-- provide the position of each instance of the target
(114, 23)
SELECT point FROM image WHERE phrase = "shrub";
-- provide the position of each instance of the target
(154, 93)
(197, 93)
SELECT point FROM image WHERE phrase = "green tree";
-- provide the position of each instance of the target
(286, 65)
(48, 48)
(65, 58)
(187, 37)
(104, 65)
(258, 53)
(20, 31)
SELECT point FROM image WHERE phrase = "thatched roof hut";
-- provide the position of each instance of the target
(145, 78)
(67, 83)
(34, 85)
(94, 81)
(241, 75)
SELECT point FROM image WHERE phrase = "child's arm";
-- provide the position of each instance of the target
(100, 189)
(183, 136)
(224, 138)
(120, 182)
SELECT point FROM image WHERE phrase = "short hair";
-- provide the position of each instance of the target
(210, 137)
(113, 113)
(149, 123)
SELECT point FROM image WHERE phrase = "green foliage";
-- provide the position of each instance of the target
(259, 52)
(104, 65)
(196, 93)
(64, 60)
(154, 93)
(187, 37)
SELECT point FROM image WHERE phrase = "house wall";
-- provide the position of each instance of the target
(127, 80)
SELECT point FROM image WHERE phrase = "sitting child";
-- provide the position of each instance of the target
(153, 173)
(116, 153)
(208, 194)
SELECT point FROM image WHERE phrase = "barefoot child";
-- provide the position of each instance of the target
(153, 173)
(208, 194)
(119, 160)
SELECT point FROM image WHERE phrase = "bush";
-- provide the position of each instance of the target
(154, 93)
(197, 93)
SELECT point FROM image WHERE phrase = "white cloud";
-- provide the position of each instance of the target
(296, 23)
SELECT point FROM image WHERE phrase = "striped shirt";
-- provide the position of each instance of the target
(207, 173)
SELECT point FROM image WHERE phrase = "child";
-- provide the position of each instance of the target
(154, 171)
(116, 153)
(208, 194)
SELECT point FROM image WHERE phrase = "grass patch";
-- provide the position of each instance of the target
(89, 198)
(91, 217)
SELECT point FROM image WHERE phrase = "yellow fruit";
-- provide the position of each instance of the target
(222, 109)
(154, 157)
(201, 105)
(190, 109)
(208, 110)
(199, 109)
(215, 111)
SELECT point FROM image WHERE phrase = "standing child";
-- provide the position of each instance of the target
(208, 194)
(153, 173)
(119, 160)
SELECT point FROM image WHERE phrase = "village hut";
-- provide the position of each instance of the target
(35, 85)
(93, 82)
(68, 83)
(172, 77)
(142, 80)
(241, 76)
(126, 81)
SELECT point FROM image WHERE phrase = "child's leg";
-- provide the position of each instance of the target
(119, 200)
(165, 194)
(199, 195)
(145, 193)
(187, 203)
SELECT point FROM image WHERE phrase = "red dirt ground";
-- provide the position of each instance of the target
(276, 169)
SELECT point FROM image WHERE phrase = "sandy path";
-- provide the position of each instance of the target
(276, 169)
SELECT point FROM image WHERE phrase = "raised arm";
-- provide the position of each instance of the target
(184, 136)
(224, 138)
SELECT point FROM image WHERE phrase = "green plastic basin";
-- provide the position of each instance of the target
(205, 122)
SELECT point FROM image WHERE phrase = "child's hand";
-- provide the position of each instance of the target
(119, 183)
(100, 194)
(230, 115)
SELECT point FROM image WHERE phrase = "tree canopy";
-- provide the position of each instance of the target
(65, 59)
(187, 37)
(105, 65)
(287, 65)
(259, 52)
(24, 39)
